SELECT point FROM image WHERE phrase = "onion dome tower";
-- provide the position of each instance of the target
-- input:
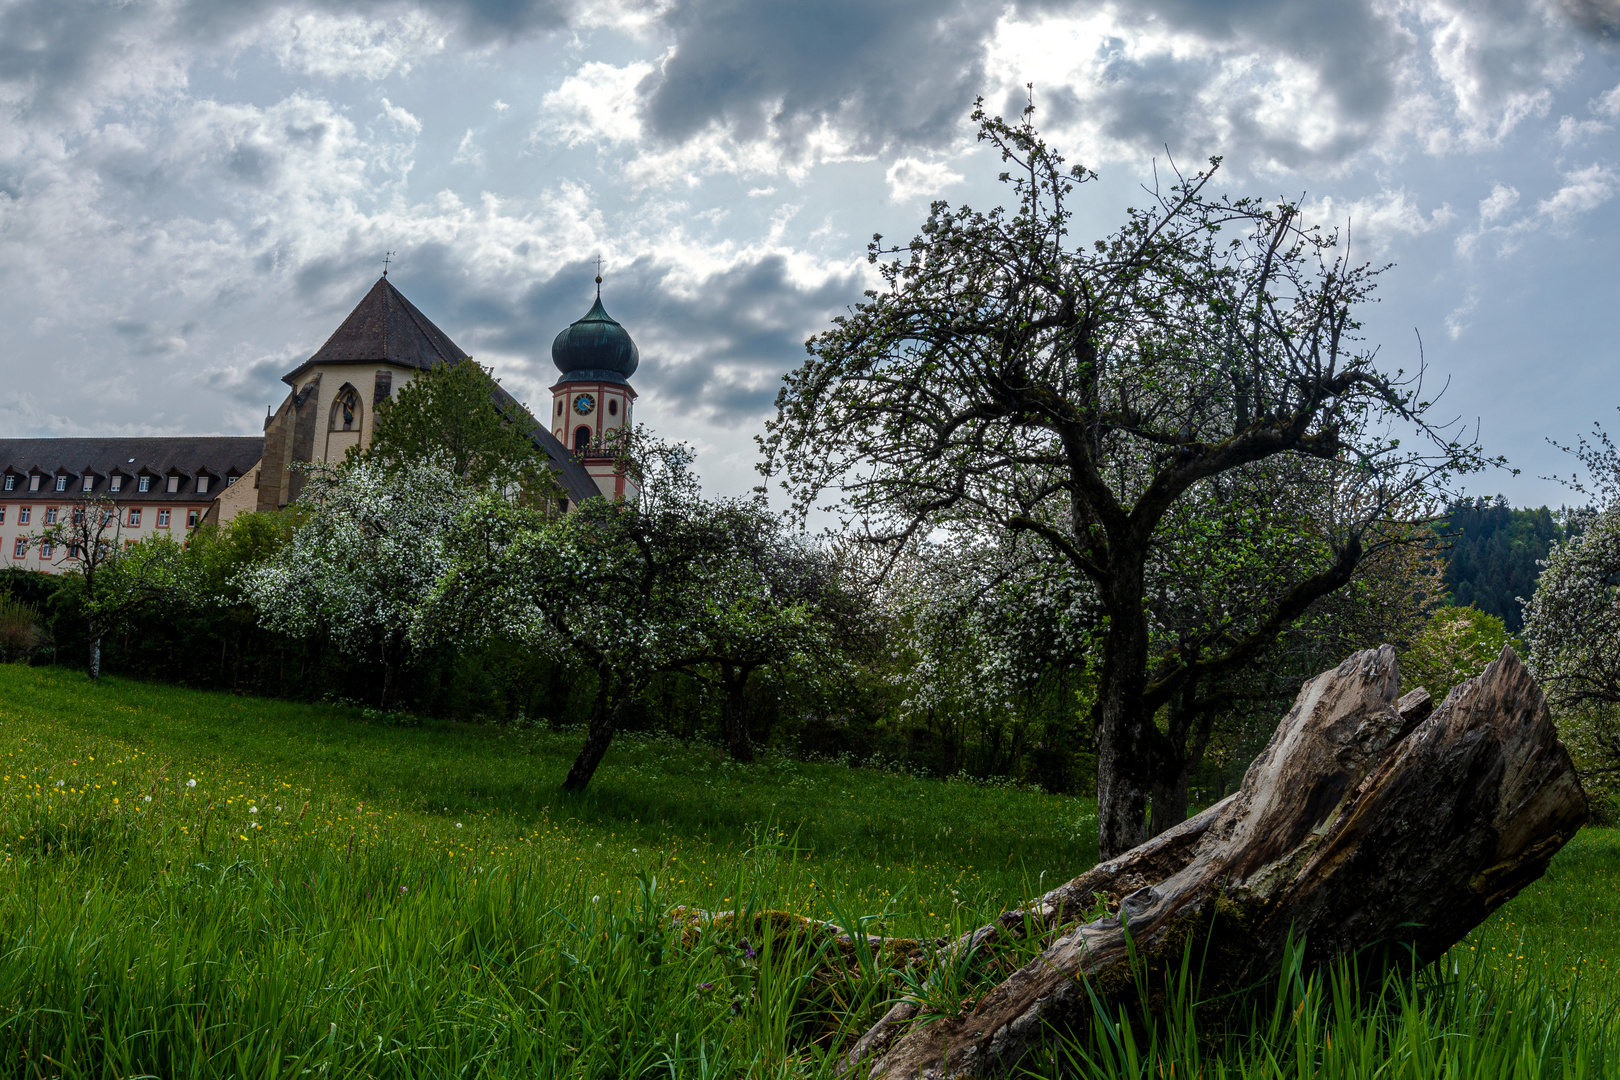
(592, 400)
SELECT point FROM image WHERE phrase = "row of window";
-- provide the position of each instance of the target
(47, 550)
(132, 517)
(115, 483)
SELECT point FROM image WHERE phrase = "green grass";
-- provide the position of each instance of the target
(196, 884)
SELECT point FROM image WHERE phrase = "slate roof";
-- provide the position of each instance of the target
(186, 455)
(571, 474)
(384, 327)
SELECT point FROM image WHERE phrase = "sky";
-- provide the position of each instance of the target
(193, 193)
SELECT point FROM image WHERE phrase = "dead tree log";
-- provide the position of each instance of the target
(1366, 821)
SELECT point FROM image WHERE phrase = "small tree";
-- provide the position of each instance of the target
(458, 415)
(369, 553)
(773, 600)
(107, 579)
(1006, 378)
(630, 588)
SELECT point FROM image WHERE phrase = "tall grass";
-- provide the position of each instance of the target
(198, 886)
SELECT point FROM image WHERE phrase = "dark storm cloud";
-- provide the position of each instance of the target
(900, 71)
(719, 352)
(905, 73)
(1598, 18)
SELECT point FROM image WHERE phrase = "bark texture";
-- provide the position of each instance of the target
(1366, 821)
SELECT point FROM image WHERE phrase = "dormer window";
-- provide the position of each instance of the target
(144, 484)
(202, 485)
(33, 482)
(115, 484)
(11, 481)
(61, 483)
(89, 482)
(174, 485)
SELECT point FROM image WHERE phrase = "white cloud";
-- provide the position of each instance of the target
(468, 152)
(401, 118)
(1583, 191)
(1607, 104)
(1501, 199)
(1457, 320)
(597, 103)
(332, 46)
(1377, 222)
(911, 178)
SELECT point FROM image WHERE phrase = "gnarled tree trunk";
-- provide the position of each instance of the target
(1365, 821)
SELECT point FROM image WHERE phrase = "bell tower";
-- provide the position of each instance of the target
(593, 399)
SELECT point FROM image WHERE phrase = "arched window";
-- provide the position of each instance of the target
(582, 439)
(613, 408)
(346, 410)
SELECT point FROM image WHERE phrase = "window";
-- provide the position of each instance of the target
(202, 485)
(559, 413)
(144, 484)
(107, 517)
(11, 482)
(163, 519)
(21, 548)
(46, 549)
(191, 518)
(25, 514)
(229, 480)
(115, 484)
(61, 483)
(33, 482)
(2, 515)
(134, 517)
(78, 516)
(613, 407)
(73, 551)
(174, 484)
(89, 482)
(346, 410)
(582, 439)
(50, 515)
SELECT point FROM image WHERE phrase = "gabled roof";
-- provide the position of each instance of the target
(384, 327)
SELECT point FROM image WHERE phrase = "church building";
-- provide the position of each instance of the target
(172, 485)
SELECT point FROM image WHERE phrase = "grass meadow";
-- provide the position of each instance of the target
(200, 885)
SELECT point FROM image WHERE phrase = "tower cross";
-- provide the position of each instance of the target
(386, 257)
(599, 277)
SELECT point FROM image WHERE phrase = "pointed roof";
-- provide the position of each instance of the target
(384, 327)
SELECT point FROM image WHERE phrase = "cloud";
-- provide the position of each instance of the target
(401, 118)
(1378, 222)
(910, 178)
(1580, 192)
(332, 46)
(596, 103)
(1502, 198)
(1583, 191)
(468, 153)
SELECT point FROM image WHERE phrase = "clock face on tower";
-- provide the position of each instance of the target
(584, 404)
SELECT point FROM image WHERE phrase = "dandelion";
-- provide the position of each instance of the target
(59, 783)
(192, 782)
(253, 809)
(458, 824)
(149, 798)
(596, 899)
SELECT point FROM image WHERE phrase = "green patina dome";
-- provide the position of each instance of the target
(595, 348)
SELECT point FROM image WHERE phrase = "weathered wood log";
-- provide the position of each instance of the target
(1365, 821)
